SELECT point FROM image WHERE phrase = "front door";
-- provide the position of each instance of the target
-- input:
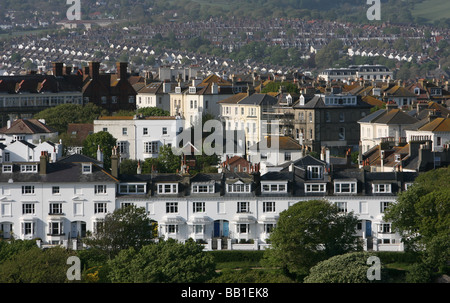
(217, 228)
(6, 229)
(368, 228)
(225, 230)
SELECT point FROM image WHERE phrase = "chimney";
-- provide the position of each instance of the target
(94, 70)
(121, 70)
(57, 69)
(390, 105)
(115, 163)
(43, 163)
(99, 154)
(8, 124)
(139, 169)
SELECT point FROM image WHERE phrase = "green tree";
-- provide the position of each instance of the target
(153, 111)
(128, 166)
(60, 116)
(35, 265)
(168, 162)
(106, 142)
(126, 227)
(422, 216)
(346, 268)
(163, 262)
(309, 232)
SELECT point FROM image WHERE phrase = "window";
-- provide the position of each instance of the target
(341, 117)
(145, 131)
(167, 188)
(381, 188)
(172, 228)
(164, 130)
(28, 190)
(327, 117)
(238, 188)
(86, 168)
(198, 207)
(383, 206)
(151, 147)
(123, 147)
(341, 206)
(28, 168)
(198, 229)
(7, 168)
(171, 207)
(310, 117)
(105, 129)
(243, 207)
(268, 207)
(242, 228)
(315, 187)
(315, 172)
(124, 131)
(341, 133)
(340, 188)
(270, 187)
(268, 228)
(132, 188)
(28, 228)
(55, 208)
(384, 228)
(100, 189)
(28, 208)
(55, 190)
(287, 156)
(100, 208)
(206, 188)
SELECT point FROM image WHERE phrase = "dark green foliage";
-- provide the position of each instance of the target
(163, 262)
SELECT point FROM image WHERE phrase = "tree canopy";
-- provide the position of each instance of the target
(422, 215)
(309, 232)
(124, 228)
(163, 262)
(60, 116)
(106, 142)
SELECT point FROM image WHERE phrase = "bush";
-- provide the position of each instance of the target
(221, 256)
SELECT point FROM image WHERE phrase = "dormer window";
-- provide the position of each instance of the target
(238, 187)
(271, 187)
(7, 168)
(86, 168)
(341, 187)
(315, 187)
(168, 188)
(28, 168)
(202, 188)
(132, 188)
(381, 188)
(315, 172)
(192, 90)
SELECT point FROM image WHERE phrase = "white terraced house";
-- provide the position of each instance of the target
(59, 202)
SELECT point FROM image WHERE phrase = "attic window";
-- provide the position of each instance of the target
(345, 187)
(27, 168)
(86, 168)
(381, 188)
(7, 168)
(315, 172)
(192, 90)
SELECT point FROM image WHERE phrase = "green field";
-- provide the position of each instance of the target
(432, 9)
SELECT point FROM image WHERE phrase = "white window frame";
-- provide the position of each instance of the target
(100, 189)
(312, 173)
(338, 187)
(269, 206)
(243, 207)
(382, 188)
(163, 189)
(198, 207)
(309, 187)
(172, 207)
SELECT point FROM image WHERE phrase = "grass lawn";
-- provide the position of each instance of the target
(432, 9)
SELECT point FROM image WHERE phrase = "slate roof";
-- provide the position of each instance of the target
(27, 126)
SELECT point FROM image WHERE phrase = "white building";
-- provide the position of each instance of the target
(357, 72)
(29, 130)
(56, 202)
(154, 94)
(60, 202)
(437, 131)
(140, 137)
(385, 125)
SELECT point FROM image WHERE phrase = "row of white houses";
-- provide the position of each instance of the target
(59, 202)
